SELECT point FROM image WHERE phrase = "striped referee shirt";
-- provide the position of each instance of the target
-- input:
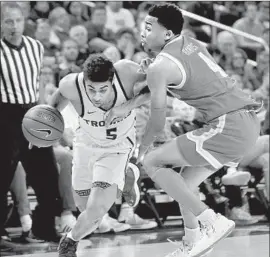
(20, 71)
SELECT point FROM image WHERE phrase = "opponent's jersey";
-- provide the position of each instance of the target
(92, 119)
(205, 84)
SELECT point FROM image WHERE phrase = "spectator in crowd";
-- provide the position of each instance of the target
(99, 36)
(40, 10)
(18, 189)
(251, 25)
(75, 9)
(79, 34)
(112, 53)
(70, 53)
(263, 13)
(126, 43)
(30, 26)
(204, 9)
(231, 13)
(226, 44)
(261, 72)
(42, 33)
(241, 70)
(215, 52)
(118, 17)
(23, 55)
(60, 23)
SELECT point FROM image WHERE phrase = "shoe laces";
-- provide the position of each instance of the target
(184, 248)
(68, 246)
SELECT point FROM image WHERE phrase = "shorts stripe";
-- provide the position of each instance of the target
(199, 140)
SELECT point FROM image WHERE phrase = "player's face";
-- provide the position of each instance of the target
(153, 34)
(99, 92)
(12, 24)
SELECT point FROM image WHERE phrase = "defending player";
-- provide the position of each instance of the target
(101, 151)
(185, 69)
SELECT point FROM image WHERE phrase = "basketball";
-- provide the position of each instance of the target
(43, 125)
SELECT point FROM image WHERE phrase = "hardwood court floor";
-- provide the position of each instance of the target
(249, 241)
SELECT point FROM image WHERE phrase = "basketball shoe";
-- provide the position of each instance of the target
(109, 224)
(67, 247)
(131, 190)
(127, 216)
(213, 231)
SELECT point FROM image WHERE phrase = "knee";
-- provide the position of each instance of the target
(97, 207)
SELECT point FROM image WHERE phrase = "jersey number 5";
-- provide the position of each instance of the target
(111, 133)
(212, 65)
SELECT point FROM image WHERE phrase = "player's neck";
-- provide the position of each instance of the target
(170, 40)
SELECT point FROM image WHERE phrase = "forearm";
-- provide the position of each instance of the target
(58, 101)
(155, 126)
(136, 102)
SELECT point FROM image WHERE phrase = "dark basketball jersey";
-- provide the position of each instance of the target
(205, 84)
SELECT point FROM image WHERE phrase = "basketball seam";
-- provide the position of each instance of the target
(43, 123)
(48, 109)
(38, 137)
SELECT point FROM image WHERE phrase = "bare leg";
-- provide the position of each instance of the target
(193, 177)
(98, 204)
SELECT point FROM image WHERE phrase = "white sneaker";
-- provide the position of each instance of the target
(131, 190)
(127, 216)
(67, 222)
(109, 224)
(186, 247)
(213, 232)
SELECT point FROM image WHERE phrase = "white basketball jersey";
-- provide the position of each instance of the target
(92, 118)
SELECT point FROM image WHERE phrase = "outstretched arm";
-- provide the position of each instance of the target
(157, 82)
(122, 110)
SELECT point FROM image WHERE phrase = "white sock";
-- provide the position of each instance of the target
(26, 222)
(192, 235)
(69, 235)
(208, 216)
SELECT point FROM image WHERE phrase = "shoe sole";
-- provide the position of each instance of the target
(136, 174)
(230, 229)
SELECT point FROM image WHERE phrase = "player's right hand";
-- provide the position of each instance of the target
(145, 64)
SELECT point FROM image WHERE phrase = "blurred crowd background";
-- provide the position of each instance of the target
(70, 31)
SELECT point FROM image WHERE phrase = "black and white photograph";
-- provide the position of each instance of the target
(134, 129)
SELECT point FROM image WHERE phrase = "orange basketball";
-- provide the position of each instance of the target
(43, 125)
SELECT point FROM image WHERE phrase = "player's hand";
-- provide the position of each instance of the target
(116, 113)
(145, 64)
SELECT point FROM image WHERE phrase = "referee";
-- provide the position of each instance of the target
(21, 60)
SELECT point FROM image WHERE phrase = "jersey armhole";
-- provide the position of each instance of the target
(121, 85)
(80, 94)
(180, 66)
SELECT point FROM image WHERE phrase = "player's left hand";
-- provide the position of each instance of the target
(116, 113)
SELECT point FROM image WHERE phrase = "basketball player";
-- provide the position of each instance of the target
(101, 151)
(185, 69)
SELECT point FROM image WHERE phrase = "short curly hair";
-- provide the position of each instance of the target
(169, 16)
(98, 68)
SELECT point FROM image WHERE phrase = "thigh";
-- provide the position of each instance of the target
(166, 154)
(224, 141)
(110, 168)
